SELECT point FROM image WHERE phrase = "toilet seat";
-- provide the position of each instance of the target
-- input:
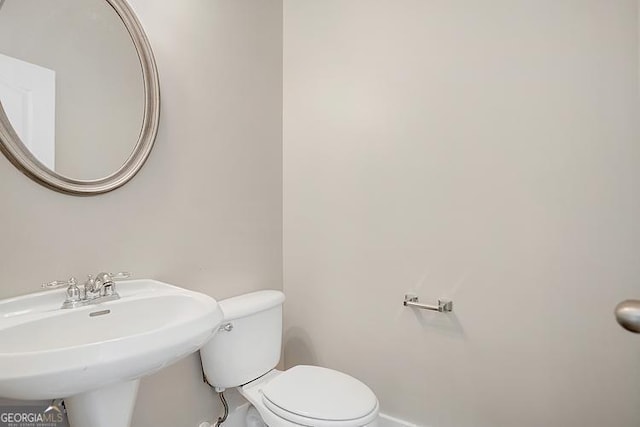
(297, 419)
(314, 396)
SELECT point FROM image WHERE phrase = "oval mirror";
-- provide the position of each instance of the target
(79, 93)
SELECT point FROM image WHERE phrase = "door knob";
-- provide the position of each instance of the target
(628, 315)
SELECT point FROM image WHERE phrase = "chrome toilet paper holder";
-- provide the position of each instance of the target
(444, 305)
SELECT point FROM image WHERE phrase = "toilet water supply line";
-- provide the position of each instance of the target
(223, 418)
(220, 392)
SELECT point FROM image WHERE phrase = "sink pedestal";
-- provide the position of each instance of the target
(110, 406)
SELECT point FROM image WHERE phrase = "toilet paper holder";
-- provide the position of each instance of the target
(444, 305)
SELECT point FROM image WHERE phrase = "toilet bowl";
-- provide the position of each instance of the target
(312, 396)
(243, 354)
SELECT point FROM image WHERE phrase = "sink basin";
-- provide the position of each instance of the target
(97, 353)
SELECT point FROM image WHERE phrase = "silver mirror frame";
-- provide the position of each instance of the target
(18, 154)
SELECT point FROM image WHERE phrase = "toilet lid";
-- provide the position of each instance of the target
(319, 393)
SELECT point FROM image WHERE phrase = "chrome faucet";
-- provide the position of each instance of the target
(97, 284)
(102, 288)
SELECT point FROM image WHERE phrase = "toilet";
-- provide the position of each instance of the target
(246, 349)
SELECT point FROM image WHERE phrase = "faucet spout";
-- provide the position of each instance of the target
(102, 281)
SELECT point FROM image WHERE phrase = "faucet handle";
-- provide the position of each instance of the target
(121, 275)
(59, 283)
(73, 292)
(103, 278)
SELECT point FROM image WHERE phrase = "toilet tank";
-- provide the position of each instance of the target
(249, 341)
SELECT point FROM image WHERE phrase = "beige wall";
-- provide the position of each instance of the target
(204, 213)
(487, 153)
(483, 151)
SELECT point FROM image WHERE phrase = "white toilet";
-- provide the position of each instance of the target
(244, 353)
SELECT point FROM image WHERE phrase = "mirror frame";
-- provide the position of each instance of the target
(18, 154)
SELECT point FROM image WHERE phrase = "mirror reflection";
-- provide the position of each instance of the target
(71, 84)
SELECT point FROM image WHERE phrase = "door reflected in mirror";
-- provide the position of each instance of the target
(71, 84)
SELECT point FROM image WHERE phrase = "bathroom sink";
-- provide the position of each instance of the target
(47, 352)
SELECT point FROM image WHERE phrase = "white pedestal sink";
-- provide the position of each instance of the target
(94, 356)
